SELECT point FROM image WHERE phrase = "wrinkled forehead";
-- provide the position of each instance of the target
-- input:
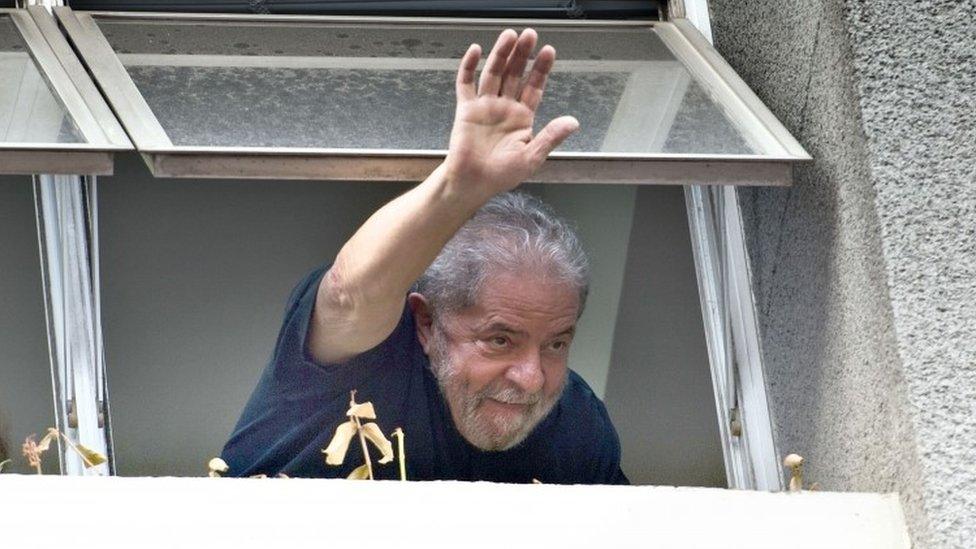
(523, 299)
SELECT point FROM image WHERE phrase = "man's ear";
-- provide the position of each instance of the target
(422, 318)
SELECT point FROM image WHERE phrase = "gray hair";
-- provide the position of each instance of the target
(514, 230)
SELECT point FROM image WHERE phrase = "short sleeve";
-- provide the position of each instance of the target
(293, 410)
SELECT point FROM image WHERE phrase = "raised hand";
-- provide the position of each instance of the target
(492, 147)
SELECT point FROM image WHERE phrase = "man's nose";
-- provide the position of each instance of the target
(526, 372)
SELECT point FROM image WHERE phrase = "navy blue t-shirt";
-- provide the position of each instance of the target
(298, 403)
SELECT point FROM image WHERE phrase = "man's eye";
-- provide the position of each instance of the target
(498, 341)
(559, 345)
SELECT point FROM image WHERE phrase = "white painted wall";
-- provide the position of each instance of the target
(603, 215)
(247, 513)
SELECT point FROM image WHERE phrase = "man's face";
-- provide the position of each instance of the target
(501, 363)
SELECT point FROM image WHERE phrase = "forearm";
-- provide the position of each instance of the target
(492, 149)
(361, 298)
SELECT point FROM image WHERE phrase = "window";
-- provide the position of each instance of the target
(353, 98)
(196, 274)
(350, 99)
(50, 121)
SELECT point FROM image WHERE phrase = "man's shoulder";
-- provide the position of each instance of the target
(578, 392)
(580, 438)
(582, 417)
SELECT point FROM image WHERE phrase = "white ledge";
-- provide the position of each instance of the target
(115, 513)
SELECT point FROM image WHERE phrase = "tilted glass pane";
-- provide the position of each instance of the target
(29, 110)
(377, 86)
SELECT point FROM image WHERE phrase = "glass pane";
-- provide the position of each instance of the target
(222, 256)
(26, 398)
(29, 110)
(392, 87)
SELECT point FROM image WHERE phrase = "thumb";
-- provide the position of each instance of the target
(555, 132)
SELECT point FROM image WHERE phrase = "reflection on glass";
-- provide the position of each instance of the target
(29, 110)
(26, 399)
(392, 87)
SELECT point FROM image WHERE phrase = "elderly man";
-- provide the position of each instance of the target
(473, 363)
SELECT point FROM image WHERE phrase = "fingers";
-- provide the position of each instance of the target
(464, 85)
(491, 76)
(536, 82)
(517, 61)
(551, 136)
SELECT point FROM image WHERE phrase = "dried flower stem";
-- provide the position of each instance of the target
(81, 454)
(362, 440)
(401, 453)
(75, 448)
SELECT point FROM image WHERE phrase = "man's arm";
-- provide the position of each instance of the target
(492, 150)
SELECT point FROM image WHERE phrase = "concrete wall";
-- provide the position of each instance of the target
(865, 270)
(26, 398)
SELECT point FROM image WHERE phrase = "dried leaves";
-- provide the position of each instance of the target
(34, 450)
(374, 435)
(335, 452)
(358, 426)
(89, 456)
(362, 472)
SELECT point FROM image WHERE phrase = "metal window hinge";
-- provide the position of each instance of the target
(735, 422)
(672, 9)
(73, 415)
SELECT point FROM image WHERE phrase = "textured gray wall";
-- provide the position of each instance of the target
(26, 399)
(865, 270)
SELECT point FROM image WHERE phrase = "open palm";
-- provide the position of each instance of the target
(492, 147)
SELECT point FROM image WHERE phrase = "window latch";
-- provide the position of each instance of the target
(73, 414)
(735, 422)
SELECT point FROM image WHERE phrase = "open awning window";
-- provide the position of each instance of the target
(52, 118)
(371, 98)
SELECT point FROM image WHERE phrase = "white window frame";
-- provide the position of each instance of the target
(67, 220)
(729, 314)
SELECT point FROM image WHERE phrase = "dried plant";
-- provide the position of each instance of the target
(401, 453)
(795, 463)
(34, 450)
(335, 453)
(217, 467)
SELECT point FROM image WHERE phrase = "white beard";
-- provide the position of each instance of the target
(484, 431)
